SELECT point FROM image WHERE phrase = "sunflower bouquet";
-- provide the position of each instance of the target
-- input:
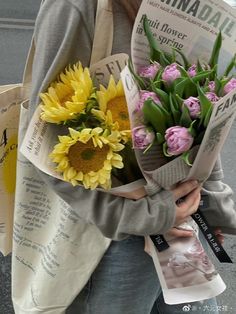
(95, 141)
(176, 98)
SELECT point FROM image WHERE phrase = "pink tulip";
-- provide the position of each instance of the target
(142, 137)
(230, 86)
(193, 105)
(192, 71)
(171, 73)
(212, 97)
(149, 71)
(145, 95)
(212, 86)
(178, 140)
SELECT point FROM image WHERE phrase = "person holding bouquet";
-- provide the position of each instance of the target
(125, 280)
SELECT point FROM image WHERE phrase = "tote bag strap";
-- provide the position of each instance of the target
(102, 43)
(103, 34)
(27, 76)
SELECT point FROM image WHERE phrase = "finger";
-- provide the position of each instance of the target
(180, 233)
(193, 195)
(220, 238)
(217, 231)
(187, 208)
(191, 202)
(184, 189)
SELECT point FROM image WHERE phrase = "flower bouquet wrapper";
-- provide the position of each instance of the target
(41, 136)
(163, 52)
(39, 149)
(185, 271)
(188, 40)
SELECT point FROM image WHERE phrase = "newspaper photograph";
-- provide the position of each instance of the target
(185, 271)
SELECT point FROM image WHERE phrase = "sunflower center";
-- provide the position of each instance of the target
(85, 157)
(119, 110)
(66, 97)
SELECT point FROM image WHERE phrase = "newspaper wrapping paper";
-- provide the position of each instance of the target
(10, 97)
(185, 271)
(41, 137)
(190, 27)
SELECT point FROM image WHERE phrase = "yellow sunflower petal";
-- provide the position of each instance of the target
(84, 158)
(67, 97)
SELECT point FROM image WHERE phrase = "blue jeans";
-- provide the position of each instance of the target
(126, 282)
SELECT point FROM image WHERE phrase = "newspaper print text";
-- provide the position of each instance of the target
(205, 13)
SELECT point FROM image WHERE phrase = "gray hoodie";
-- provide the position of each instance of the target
(63, 35)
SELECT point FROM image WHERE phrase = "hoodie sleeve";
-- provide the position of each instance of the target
(218, 204)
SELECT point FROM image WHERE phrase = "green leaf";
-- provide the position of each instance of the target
(185, 119)
(174, 107)
(182, 70)
(185, 157)
(163, 60)
(199, 66)
(179, 86)
(157, 82)
(192, 130)
(162, 95)
(215, 51)
(160, 138)
(155, 53)
(207, 117)
(230, 66)
(218, 86)
(179, 100)
(154, 116)
(185, 87)
(170, 57)
(147, 148)
(187, 64)
(190, 89)
(165, 147)
(167, 115)
(202, 75)
(173, 60)
(205, 104)
(223, 82)
(136, 77)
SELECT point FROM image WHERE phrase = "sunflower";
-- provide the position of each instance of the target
(88, 156)
(113, 108)
(66, 98)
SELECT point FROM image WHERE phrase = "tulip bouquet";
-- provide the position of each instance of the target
(95, 131)
(176, 98)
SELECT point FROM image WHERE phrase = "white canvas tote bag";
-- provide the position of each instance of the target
(54, 251)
